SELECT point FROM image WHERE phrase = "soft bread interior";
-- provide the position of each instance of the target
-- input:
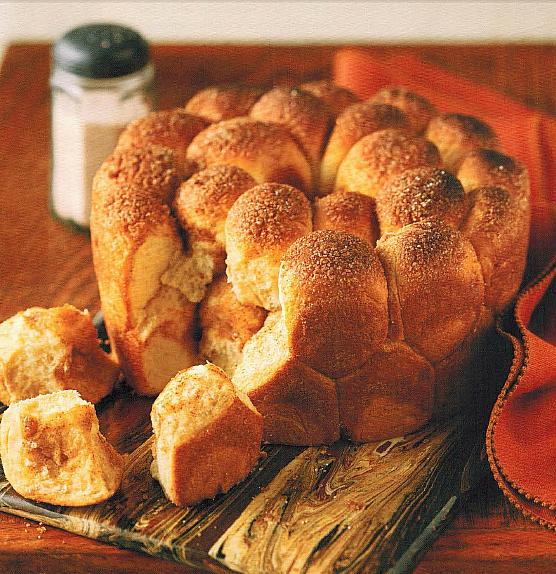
(52, 451)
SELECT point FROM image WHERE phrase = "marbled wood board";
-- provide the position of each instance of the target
(341, 508)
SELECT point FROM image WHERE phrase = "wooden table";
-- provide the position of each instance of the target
(44, 263)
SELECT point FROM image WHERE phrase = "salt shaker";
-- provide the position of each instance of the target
(101, 80)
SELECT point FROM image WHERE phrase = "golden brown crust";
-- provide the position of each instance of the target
(436, 286)
(334, 300)
(381, 156)
(350, 212)
(392, 394)
(498, 227)
(52, 451)
(335, 97)
(491, 168)
(207, 435)
(260, 226)
(354, 123)
(202, 204)
(47, 350)
(418, 194)
(135, 241)
(456, 135)
(173, 129)
(268, 216)
(226, 325)
(217, 103)
(266, 151)
(298, 404)
(417, 109)
(304, 115)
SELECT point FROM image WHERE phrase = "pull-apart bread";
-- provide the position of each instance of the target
(341, 260)
(48, 350)
(52, 451)
(207, 435)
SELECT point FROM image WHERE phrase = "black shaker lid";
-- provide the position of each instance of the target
(101, 51)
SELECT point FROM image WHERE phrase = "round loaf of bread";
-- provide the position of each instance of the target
(359, 313)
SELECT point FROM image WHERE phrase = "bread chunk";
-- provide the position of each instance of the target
(353, 213)
(418, 194)
(207, 435)
(457, 135)
(335, 97)
(217, 103)
(417, 109)
(261, 225)
(52, 451)
(378, 158)
(268, 152)
(303, 114)
(173, 129)
(298, 404)
(436, 287)
(48, 350)
(353, 124)
(334, 300)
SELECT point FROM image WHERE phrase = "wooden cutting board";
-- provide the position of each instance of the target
(341, 508)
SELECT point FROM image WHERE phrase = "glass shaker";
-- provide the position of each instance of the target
(101, 80)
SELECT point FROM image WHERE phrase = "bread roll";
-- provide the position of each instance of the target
(207, 435)
(138, 257)
(335, 97)
(201, 206)
(217, 103)
(417, 109)
(456, 135)
(226, 325)
(436, 287)
(418, 194)
(303, 114)
(298, 404)
(261, 225)
(498, 227)
(490, 168)
(378, 158)
(392, 394)
(52, 451)
(354, 123)
(350, 212)
(334, 301)
(173, 129)
(267, 152)
(47, 350)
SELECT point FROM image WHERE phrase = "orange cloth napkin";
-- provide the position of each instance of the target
(521, 436)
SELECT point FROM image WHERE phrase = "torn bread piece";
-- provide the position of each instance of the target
(52, 451)
(207, 435)
(48, 350)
